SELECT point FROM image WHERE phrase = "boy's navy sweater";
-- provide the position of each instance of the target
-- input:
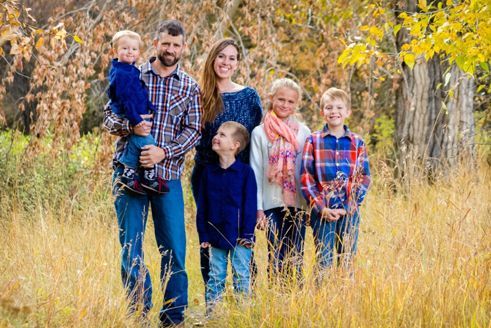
(227, 204)
(128, 94)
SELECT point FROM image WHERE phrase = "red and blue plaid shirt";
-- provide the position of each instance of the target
(335, 171)
(176, 121)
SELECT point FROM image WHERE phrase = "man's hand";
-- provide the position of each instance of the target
(151, 155)
(205, 245)
(143, 128)
(261, 220)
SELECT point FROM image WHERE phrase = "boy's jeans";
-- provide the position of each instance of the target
(286, 236)
(340, 235)
(240, 257)
(131, 154)
(168, 217)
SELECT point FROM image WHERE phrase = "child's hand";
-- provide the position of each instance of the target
(205, 245)
(330, 215)
(147, 117)
(143, 128)
(261, 220)
(247, 243)
(340, 211)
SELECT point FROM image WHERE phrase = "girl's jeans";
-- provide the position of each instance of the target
(286, 236)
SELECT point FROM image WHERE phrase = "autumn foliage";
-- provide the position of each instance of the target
(350, 45)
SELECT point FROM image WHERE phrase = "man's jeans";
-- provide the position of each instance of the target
(131, 154)
(286, 236)
(340, 235)
(168, 217)
(240, 257)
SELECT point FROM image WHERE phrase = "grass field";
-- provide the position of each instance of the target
(424, 258)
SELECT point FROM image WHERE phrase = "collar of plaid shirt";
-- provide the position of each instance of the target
(347, 132)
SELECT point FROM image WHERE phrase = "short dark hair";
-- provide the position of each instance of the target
(172, 27)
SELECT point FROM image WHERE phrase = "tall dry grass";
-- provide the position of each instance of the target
(424, 260)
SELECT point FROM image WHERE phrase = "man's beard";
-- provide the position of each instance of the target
(168, 61)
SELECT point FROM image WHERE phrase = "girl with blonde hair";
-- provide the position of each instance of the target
(276, 148)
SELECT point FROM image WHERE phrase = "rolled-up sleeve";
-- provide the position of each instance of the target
(114, 124)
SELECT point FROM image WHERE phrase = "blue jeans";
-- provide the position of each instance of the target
(340, 236)
(286, 236)
(131, 154)
(170, 234)
(240, 257)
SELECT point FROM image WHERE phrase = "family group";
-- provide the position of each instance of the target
(254, 168)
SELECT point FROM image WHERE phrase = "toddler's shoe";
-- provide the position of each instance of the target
(129, 181)
(157, 185)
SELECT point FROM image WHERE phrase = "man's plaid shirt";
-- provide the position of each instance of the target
(335, 171)
(176, 122)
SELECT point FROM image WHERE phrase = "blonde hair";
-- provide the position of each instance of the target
(240, 134)
(284, 83)
(125, 33)
(335, 93)
(210, 94)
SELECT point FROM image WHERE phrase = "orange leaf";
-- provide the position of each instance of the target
(39, 43)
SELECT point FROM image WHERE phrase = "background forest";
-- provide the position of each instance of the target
(418, 73)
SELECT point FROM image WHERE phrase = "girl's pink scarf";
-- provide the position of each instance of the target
(283, 153)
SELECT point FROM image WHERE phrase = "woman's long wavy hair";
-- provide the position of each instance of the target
(210, 94)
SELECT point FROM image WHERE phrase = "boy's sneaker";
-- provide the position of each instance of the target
(158, 185)
(130, 181)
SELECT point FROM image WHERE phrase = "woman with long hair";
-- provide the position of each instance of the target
(222, 100)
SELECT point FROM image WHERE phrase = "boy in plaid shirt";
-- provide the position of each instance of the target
(335, 176)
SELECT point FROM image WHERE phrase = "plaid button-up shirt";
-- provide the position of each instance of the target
(335, 171)
(176, 121)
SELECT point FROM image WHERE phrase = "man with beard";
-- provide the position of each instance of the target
(176, 129)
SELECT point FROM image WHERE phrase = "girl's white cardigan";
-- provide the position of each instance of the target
(269, 194)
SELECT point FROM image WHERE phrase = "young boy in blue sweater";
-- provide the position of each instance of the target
(129, 99)
(226, 215)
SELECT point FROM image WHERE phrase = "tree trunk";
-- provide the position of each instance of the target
(434, 116)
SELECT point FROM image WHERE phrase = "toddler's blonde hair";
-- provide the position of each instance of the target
(125, 33)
